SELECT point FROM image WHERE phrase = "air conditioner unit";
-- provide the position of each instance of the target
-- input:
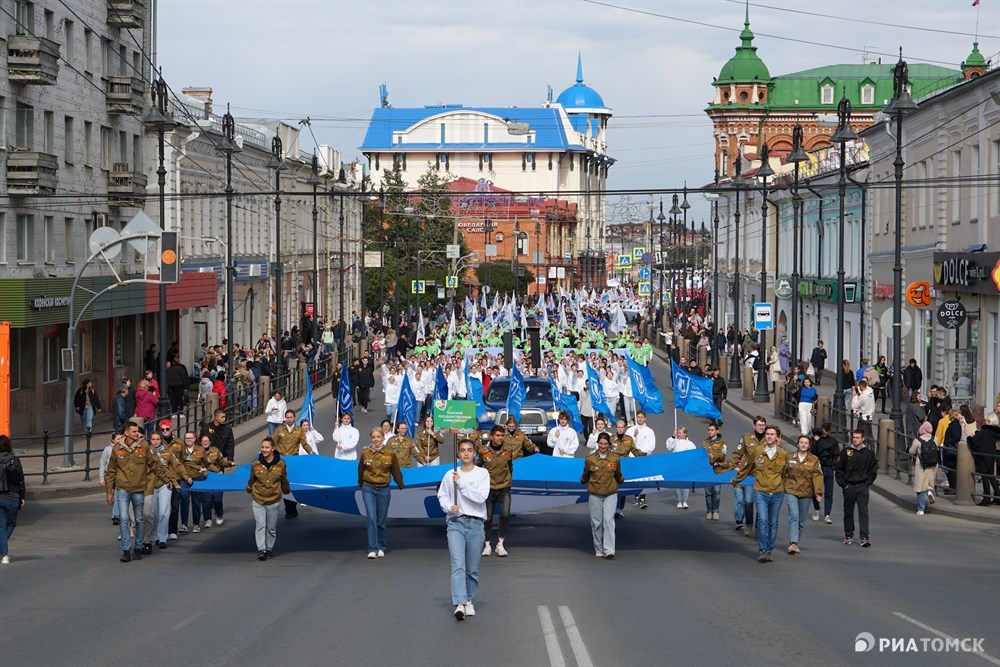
(100, 219)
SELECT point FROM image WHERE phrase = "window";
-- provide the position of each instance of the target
(51, 350)
(108, 57)
(522, 243)
(68, 140)
(50, 24)
(49, 139)
(976, 191)
(486, 133)
(123, 148)
(25, 238)
(50, 239)
(826, 95)
(69, 36)
(107, 149)
(88, 143)
(24, 119)
(68, 241)
(88, 51)
(3, 238)
(25, 16)
(867, 94)
(136, 153)
(955, 194)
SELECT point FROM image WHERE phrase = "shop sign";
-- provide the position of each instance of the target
(977, 273)
(45, 302)
(882, 291)
(952, 314)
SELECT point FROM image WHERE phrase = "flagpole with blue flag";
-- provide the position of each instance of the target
(440, 385)
(308, 409)
(515, 395)
(644, 389)
(566, 402)
(406, 410)
(597, 399)
(693, 394)
(345, 402)
(474, 389)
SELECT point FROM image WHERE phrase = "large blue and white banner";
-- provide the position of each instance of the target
(693, 394)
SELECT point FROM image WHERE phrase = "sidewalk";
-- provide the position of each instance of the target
(887, 486)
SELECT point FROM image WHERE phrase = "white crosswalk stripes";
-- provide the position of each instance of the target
(581, 655)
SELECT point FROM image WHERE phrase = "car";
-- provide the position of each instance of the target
(538, 412)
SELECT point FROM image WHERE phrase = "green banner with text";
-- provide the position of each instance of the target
(460, 415)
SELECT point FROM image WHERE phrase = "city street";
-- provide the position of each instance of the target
(682, 590)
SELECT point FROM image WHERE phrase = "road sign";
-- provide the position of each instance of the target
(952, 314)
(905, 321)
(637, 254)
(645, 289)
(451, 282)
(418, 286)
(850, 292)
(568, 257)
(763, 316)
(453, 251)
(373, 259)
(783, 288)
(647, 258)
(919, 294)
(644, 273)
(665, 299)
(624, 261)
(440, 292)
(491, 250)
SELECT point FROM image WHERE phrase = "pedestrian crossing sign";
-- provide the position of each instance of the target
(645, 289)
(624, 261)
(637, 254)
(665, 299)
(418, 286)
(451, 282)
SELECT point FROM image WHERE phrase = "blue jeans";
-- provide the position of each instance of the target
(713, 498)
(921, 501)
(768, 507)
(798, 510)
(272, 427)
(8, 520)
(88, 419)
(390, 412)
(376, 499)
(682, 495)
(193, 500)
(136, 499)
(465, 544)
(602, 522)
(743, 505)
(829, 482)
(161, 513)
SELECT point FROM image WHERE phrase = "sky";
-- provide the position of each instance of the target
(652, 61)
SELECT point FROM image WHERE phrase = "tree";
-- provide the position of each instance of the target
(501, 278)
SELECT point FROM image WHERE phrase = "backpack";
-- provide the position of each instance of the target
(928, 454)
(8, 475)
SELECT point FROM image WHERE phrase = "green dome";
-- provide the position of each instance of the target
(746, 66)
(975, 58)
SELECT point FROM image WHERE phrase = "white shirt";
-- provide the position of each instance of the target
(313, 437)
(679, 445)
(392, 387)
(770, 451)
(346, 438)
(473, 489)
(275, 411)
(564, 441)
(645, 439)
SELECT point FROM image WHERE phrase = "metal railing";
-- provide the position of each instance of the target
(986, 477)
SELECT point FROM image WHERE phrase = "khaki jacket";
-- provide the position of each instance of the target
(625, 445)
(268, 480)
(769, 473)
(192, 462)
(517, 443)
(131, 465)
(376, 468)
(716, 452)
(429, 442)
(602, 475)
(803, 479)
(744, 449)
(215, 461)
(287, 442)
(498, 463)
(173, 467)
(405, 450)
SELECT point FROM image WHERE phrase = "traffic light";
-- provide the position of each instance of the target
(169, 264)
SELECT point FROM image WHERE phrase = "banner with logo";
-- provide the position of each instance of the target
(693, 394)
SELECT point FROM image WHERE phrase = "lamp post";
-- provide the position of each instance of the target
(488, 226)
(381, 270)
(277, 163)
(762, 393)
(229, 147)
(314, 181)
(686, 266)
(843, 135)
(797, 157)
(715, 271)
(659, 290)
(900, 105)
(342, 181)
(735, 379)
(674, 212)
(162, 121)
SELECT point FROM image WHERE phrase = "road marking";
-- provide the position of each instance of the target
(575, 638)
(551, 640)
(187, 621)
(924, 626)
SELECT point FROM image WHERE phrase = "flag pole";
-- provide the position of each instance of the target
(454, 462)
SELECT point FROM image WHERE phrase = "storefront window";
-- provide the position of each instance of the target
(53, 340)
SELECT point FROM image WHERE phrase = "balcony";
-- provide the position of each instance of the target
(31, 173)
(126, 187)
(32, 60)
(125, 14)
(124, 95)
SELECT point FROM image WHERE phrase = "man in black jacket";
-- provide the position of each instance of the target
(913, 379)
(178, 379)
(818, 361)
(826, 448)
(221, 435)
(720, 391)
(856, 470)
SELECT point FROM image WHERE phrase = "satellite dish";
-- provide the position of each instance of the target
(141, 224)
(101, 237)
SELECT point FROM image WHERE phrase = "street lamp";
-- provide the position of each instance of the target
(735, 379)
(342, 181)
(686, 266)
(674, 212)
(488, 226)
(762, 394)
(659, 289)
(797, 157)
(277, 163)
(229, 148)
(161, 120)
(900, 105)
(714, 198)
(843, 135)
(315, 182)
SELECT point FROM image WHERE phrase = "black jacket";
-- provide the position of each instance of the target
(222, 439)
(985, 440)
(366, 375)
(11, 476)
(818, 358)
(178, 377)
(856, 466)
(913, 377)
(826, 450)
(719, 388)
(80, 401)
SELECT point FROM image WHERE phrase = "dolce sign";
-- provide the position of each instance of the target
(967, 272)
(43, 302)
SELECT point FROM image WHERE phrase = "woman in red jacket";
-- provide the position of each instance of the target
(219, 387)
(145, 406)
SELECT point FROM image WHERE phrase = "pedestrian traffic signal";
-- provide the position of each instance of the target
(169, 264)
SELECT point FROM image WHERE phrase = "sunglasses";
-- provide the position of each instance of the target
(165, 429)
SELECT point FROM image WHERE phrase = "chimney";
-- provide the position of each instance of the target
(201, 94)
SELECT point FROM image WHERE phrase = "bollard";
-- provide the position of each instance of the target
(702, 356)
(724, 365)
(886, 445)
(211, 407)
(964, 482)
(779, 400)
(823, 405)
(263, 390)
(748, 385)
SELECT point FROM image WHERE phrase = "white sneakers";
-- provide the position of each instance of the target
(930, 496)
(469, 609)
(219, 521)
(685, 505)
(182, 528)
(196, 529)
(920, 512)
(680, 505)
(500, 550)
(827, 519)
(487, 550)
(208, 523)
(172, 536)
(460, 612)
(815, 515)
(372, 555)
(5, 560)
(708, 515)
(380, 554)
(715, 516)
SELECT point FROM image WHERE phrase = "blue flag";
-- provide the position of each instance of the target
(440, 385)
(567, 403)
(406, 410)
(515, 395)
(644, 390)
(597, 400)
(693, 394)
(345, 402)
(474, 391)
(308, 409)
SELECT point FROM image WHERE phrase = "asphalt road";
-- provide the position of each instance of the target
(681, 591)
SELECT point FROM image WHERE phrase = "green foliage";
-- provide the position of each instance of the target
(500, 278)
